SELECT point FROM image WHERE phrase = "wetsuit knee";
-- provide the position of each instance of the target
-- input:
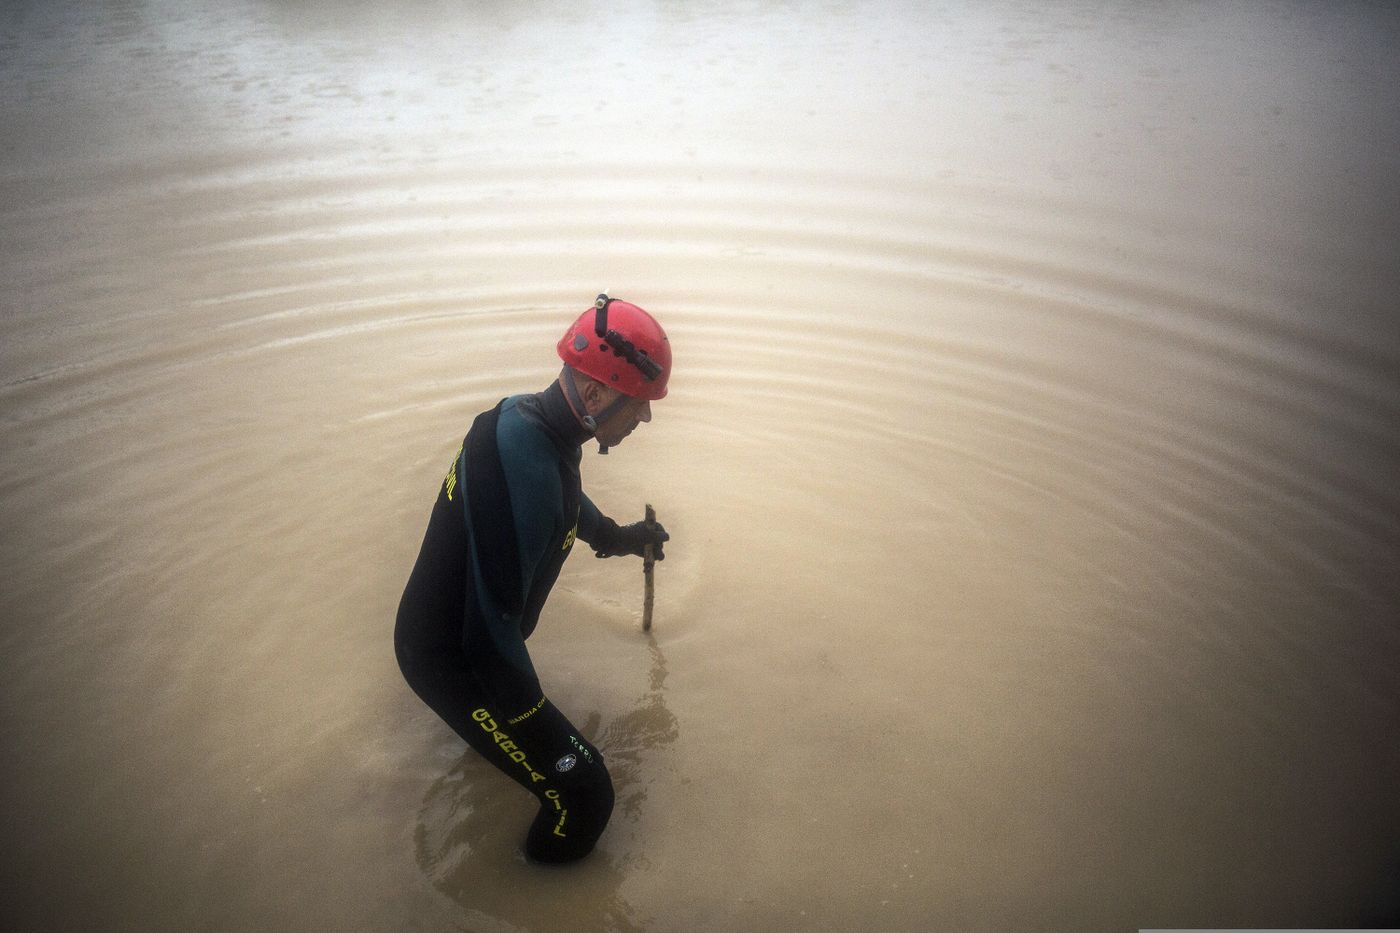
(573, 814)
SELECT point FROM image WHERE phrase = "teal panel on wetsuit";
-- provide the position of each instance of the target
(531, 463)
(523, 474)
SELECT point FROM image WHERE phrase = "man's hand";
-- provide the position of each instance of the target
(632, 539)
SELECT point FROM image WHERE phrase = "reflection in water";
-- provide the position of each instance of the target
(472, 822)
(629, 740)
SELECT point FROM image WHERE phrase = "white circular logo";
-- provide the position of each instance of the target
(566, 763)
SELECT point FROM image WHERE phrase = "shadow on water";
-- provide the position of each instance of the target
(473, 822)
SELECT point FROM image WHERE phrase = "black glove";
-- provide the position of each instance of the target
(614, 541)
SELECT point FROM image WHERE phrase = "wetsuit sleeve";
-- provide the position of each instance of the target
(590, 520)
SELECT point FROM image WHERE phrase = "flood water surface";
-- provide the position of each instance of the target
(1029, 459)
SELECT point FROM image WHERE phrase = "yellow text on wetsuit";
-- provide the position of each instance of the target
(503, 741)
(527, 714)
(449, 482)
(553, 797)
(515, 754)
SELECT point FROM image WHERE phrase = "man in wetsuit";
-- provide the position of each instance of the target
(506, 517)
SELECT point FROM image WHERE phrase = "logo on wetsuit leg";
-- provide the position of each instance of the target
(566, 763)
(582, 749)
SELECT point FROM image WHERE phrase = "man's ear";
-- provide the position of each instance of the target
(594, 396)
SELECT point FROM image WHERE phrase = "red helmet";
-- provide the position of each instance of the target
(621, 346)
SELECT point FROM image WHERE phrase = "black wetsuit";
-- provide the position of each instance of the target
(505, 520)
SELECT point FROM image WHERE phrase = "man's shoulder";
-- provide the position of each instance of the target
(523, 445)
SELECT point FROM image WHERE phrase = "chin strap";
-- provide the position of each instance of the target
(581, 410)
(576, 400)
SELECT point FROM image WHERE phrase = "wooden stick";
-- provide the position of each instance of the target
(648, 572)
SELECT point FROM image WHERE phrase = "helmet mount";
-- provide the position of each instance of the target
(623, 347)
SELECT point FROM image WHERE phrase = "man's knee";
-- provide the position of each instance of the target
(572, 817)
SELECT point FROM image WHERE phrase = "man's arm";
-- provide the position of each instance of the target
(515, 509)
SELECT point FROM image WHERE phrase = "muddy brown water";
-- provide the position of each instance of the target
(1030, 459)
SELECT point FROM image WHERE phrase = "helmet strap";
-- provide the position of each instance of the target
(576, 400)
(613, 408)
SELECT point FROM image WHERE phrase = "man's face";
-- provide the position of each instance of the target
(611, 432)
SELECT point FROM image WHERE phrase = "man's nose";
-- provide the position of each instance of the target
(644, 415)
